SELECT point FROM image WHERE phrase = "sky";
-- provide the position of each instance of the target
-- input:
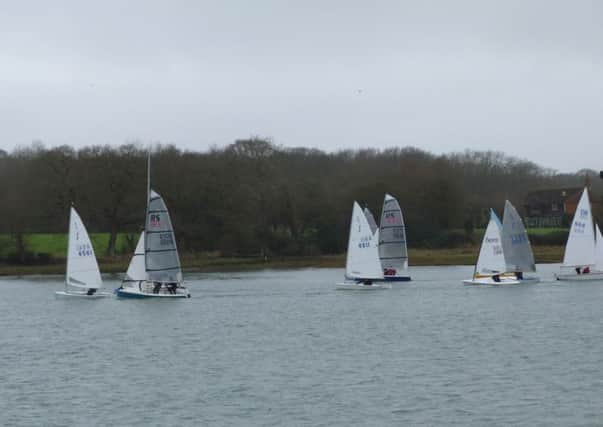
(524, 77)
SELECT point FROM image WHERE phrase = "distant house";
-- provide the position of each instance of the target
(546, 208)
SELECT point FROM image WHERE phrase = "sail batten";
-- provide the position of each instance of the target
(393, 252)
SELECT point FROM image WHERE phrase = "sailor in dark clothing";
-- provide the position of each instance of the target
(496, 278)
(519, 275)
(156, 287)
(577, 270)
(90, 291)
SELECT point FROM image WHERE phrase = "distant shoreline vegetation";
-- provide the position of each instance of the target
(255, 200)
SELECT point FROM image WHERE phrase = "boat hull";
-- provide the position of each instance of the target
(362, 287)
(397, 278)
(573, 277)
(138, 293)
(84, 295)
(490, 281)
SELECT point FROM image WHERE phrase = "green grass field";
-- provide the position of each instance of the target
(55, 244)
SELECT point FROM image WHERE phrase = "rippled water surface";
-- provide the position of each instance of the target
(285, 348)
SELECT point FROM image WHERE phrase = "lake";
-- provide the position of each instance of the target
(285, 348)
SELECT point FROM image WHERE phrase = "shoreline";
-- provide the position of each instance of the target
(200, 263)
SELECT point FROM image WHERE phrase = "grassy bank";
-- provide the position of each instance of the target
(209, 262)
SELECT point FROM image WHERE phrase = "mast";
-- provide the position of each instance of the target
(68, 247)
(149, 176)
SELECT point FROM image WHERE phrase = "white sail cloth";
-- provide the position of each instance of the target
(491, 258)
(82, 267)
(515, 242)
(580, 247)
(362, 260)
(136, 270)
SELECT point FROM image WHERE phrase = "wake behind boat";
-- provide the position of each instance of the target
(154, 270)
(491, 265)
(363, 267)
(82, 277)
(583, 258)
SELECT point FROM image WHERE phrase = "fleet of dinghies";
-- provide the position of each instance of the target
(583, 258)
(376, 255)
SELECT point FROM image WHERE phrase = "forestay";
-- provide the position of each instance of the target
(136, 269)
(392, 238)
(491, 258)
(363, 255)
(580, 248)
(371, 220)
(82, 268)
(515, 242)
(162, 263)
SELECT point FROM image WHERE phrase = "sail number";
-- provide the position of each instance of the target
(365, 242)
(579, 226)
(165, 239)
(84, 250)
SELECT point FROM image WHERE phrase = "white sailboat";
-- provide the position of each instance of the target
(580, 258)
(82, 276)
(154, 270)
(363, 268)
(491, 264)
(393, 252)
(516, 246)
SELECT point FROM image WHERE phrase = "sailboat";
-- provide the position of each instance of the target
(580, 258)
(82, 276)
(154, 271)
(371, 220)
(491, 264)
(516, 246)
(363, 268)
(393, 252)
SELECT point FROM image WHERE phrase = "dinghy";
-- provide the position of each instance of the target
(579, 260)
(491, 265)
(82, 278)
(393, 252)
(371, 220)
(516, 247)
(363, 268)
(154, 271)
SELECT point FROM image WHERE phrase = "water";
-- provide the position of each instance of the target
(285, 348)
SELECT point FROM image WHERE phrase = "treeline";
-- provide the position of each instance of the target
(253, 197)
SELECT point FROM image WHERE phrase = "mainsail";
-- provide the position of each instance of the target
(371, 220)
(580, 248)
(491, 258)
(362, 260)
(82, 268)
(516, 245)
(136, 269)
(162, 263)
(392, 238)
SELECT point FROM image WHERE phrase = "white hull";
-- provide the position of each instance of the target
(146, 290)
(574, 277)
(362, 287)
(525, 279)
(491, 281)
(82, 294)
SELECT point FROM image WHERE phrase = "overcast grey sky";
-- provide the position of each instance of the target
(520, 76)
